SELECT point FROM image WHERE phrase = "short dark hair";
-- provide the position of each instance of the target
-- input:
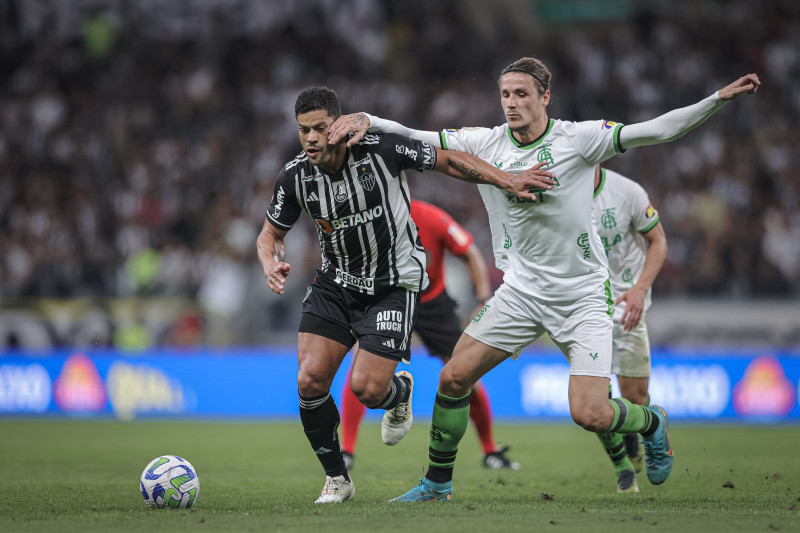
(318, 98)
(533, 67)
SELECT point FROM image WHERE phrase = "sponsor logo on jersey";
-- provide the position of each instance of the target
(608, 124)
(650, 212)
(506, 238)
(312, 197)
(607, 244)
(451, 130)
(583, 242)
(279, 196)
(405, 150)
(355, 281)
(428, 155)
(390, 320)
(339, 191)
(627, 276)
(349, 221)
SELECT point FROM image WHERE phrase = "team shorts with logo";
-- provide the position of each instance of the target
(382, 323)
(631, 351)
(581, 328)
(438, 325)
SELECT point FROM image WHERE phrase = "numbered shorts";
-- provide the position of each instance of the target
(382, 323)
(581, 328)
(631, 351)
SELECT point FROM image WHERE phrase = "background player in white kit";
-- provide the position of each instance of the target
(555, 268)
(635, 244)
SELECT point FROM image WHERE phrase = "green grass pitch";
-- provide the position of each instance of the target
(82, 475)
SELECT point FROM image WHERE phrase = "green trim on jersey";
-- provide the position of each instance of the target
(609, 297)
(651, 226)
(443, 140)
(617, 143)
(602, 183)
(534, 144)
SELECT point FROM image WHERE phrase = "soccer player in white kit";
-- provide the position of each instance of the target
(636, 246)
(555, 269)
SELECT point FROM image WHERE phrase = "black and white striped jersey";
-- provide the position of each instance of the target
(362, 213)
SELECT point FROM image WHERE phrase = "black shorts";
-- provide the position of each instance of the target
(382, 323)
(438, 325)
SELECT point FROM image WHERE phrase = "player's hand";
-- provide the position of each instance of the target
(634, 307)
(529, 184)
(357, 124)
(748, 83)
(276, 277)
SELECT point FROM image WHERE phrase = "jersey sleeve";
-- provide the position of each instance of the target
(597, 140)
(284, 210)
(467, 140)
(644, 216)
(407, 153)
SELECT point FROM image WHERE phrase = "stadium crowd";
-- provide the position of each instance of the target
(139, 142)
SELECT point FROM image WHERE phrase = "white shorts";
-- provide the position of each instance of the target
(631, 353)
(582, 328)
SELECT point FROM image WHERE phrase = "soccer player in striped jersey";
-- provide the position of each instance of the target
(439, 325)
(555, 269)
(373, 267)
(636, 246)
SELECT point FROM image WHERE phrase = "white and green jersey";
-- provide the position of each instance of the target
(548, 249)
(623, 213)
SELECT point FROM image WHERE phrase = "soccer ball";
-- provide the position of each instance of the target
(170, 481)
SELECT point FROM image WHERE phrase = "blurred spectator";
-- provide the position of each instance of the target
(140, 140)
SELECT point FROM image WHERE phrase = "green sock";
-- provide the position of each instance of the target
(448, 425)
(615, 448)
(631, 418)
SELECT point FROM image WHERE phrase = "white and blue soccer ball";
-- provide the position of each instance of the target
(170, 481)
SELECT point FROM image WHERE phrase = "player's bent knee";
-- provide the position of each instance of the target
(310, 385)
(454, 383)
(369, 395)
(592, 420)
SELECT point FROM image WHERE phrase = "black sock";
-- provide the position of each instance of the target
(320, 419)
(651, 428)
(398, 393)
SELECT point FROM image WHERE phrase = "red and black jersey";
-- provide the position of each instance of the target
(438, 233)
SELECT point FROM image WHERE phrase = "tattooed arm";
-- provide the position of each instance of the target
(467, 167)
(271, 254)
(359, 123)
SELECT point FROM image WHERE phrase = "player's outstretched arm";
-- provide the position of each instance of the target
(467, 167)
(271, 254)
(654, 260)
(679, 122)
(359, 123)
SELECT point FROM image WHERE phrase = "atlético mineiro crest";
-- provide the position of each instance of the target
(366, 179)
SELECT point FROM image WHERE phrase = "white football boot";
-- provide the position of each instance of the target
(397, 420)
(336, 490)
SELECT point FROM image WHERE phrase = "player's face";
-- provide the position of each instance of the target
(313, 129)
(522, 104)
